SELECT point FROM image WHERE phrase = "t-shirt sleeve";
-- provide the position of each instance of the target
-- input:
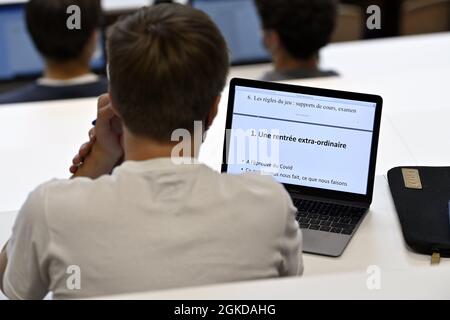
(291, 243)
(26, 276)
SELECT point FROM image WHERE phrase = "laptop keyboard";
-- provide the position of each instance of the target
(328, 217)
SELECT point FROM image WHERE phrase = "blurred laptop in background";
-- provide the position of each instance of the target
(239, 23)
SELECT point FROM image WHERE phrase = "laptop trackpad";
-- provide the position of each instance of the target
(324, 243)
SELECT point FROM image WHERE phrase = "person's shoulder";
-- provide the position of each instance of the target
(258, 185)
(259, 180)
(247, 186)
(69, 185)
(20, 95)
(58, 198)
(74, 189)
(96, 88)
(102, 80)
(260, 202)
(34, 208)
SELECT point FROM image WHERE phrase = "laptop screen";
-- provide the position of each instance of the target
(239, 22)
(18, 56)
(302, 140)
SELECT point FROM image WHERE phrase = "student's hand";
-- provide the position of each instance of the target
(84, 151)
(104, 151)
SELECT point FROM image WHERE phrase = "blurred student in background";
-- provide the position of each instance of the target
(66, 53)
(294, 31)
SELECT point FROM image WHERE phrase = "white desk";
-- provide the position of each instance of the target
(38, 141)
(384, 57)
(408, 284)
(37, 144)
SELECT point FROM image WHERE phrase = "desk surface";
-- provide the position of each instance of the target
(39, 140)
(379, 57)
(408, 284)
(37, 144)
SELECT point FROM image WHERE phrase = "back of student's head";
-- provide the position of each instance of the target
(47, 24)
(167, 66)
(303, 26)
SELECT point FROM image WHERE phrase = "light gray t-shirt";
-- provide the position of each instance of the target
(151, 225)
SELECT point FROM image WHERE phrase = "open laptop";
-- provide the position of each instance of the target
(239, 22)
(19, 59)
(320, 144)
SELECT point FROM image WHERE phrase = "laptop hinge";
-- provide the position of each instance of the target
(341, 202)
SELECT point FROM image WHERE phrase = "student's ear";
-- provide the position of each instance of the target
(212, 113)
(117, 123)
(113, 106)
